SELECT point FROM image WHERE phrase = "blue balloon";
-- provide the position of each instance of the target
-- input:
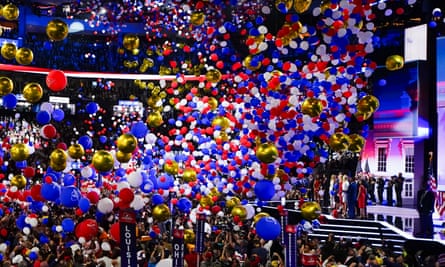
(20, 222)
(58, 115)
(268, 228)
(92, 107)
(50, 191)
(68, 179)
(157, 199)
(184, 205)
(84, 204)
(86, 141)
(147, 186)
(102, 139)
(68, 225)
(165, 181)
(139, 129)
(21, 164)
(43, 239)
(43, 117)
(33, 255)
(264, 190)
(70, 196)
(9, 101)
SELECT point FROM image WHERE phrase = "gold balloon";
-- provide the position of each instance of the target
(57, 30)
(172, 167)
(6, 86)
(161, 212)
(302, 6)
(205, 201)
(189, 236)
(76, 151)
(8, 51)
(19, 152)
(154, 119)
(58, 156)
(213, 76)
(24, 56)
(368, 104)
(189, 175)
(213, 103)
(222, 122)
(357, 143)
(214, 192)
(103, 161)
(260, 215)
(123, 157)
(57, 167)
(10, 12)
(310, 210)
(197, 18)
(223, 136)
(267, 153)
(394, 62)
(232, 202)
(131, 42)
(19, 181)
(287, 4)
(312, 107)
(239, 211)
(339, 142)
(247, 62)
(127, 143)
(32, 92)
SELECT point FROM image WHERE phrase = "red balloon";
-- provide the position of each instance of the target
(126, 195)
(115, 232)
(56, 80)
(93, 196)
(48, 131)
(35, 192)
(29, 172)
(62, 146)
(87, 229)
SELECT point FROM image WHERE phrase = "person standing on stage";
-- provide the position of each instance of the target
(344, 194)
(380, 189)
(389, 188)
(352, 197)
(398, 187)
(362, 199)
(425, 208)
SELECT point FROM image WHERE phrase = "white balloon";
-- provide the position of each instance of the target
(105, 205)
(250, 211)
(105, 246)
(3, 247)
(138, 202)
(26, 230)
(45, 208)
(135, 178)
(122, 185)
(86, 172)
(47, 106)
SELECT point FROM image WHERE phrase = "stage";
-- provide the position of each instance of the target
(405, 219)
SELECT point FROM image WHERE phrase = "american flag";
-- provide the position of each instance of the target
(439, 196)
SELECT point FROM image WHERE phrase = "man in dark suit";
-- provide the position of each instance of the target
(425, 207)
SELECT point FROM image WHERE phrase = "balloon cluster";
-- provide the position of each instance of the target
(265, 108)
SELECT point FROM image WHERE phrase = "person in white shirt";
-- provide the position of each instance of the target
(344, 192)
